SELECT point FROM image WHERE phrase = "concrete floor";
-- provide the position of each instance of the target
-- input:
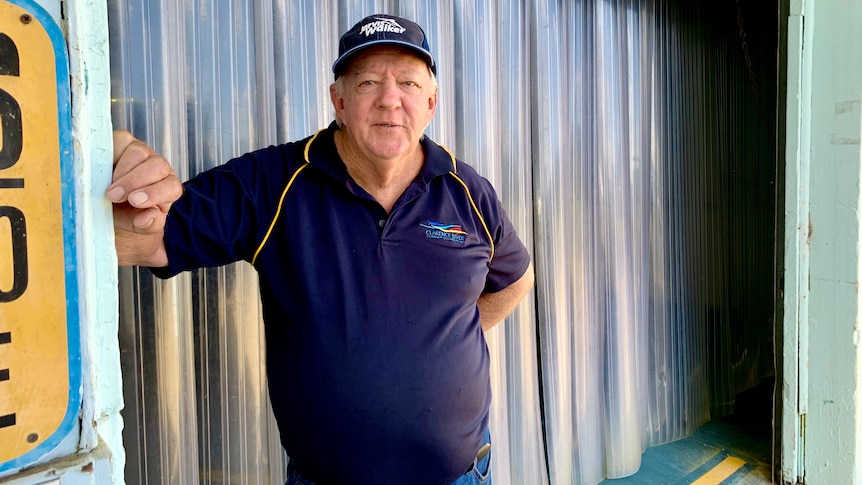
(732, 450)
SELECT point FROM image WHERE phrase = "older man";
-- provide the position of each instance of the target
(381, 257)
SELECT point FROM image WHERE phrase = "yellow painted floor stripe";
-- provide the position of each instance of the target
(721, 471)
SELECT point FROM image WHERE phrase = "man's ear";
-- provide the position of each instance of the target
(337, 100)
(432, 101)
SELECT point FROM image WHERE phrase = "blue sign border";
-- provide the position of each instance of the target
(67, 179)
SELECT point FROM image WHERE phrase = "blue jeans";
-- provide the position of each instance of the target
(479, 474)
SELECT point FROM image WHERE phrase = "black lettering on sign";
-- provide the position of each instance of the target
(20, 269)
(9, 60)
(11, 125)
(10, 113)
(7, 420)
(5, 338)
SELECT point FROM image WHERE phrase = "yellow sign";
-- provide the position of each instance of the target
(39, 356)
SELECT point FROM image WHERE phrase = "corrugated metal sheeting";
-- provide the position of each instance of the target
(632, 143)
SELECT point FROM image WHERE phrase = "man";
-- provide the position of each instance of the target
(381, 260)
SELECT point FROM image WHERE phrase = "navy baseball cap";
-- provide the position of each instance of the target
(382, 29)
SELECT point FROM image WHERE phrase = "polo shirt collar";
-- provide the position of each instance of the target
(320, 152)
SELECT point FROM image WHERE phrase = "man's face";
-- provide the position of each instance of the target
(385, 101)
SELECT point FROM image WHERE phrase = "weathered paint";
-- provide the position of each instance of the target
(87, 36)
(95, 455)
(94, 468)
(830, 118)
(795, 247)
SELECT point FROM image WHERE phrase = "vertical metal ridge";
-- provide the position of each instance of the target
(629, 144)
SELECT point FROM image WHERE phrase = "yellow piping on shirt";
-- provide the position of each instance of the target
(454, 174)
(283, 194)
(478, 214)
(277, 212)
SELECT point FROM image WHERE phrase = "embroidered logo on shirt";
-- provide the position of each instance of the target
(445, 232)
(381, 25)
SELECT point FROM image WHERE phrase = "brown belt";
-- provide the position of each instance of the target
(483, 452)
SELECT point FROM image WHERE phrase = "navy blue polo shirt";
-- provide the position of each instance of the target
(377, 365)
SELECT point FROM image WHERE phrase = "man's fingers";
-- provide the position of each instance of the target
(122, 139)
(139, 221)
(137, 167)
(142, 190)
(149, 221)
(161, 193)
(129, 153)
(146, 182)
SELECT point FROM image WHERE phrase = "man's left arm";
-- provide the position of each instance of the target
(494, 307)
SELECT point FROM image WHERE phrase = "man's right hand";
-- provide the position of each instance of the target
(142, 190)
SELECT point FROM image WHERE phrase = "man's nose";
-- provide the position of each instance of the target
(389, 95)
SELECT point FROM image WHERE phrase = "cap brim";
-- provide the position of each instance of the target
(340, 63)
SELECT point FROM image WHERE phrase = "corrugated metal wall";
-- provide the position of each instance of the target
(632, 143)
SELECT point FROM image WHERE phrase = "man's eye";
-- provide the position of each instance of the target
(367, 82)
(410, 83)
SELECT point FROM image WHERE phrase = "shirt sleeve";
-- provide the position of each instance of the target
(511, 258)
(223, 213)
